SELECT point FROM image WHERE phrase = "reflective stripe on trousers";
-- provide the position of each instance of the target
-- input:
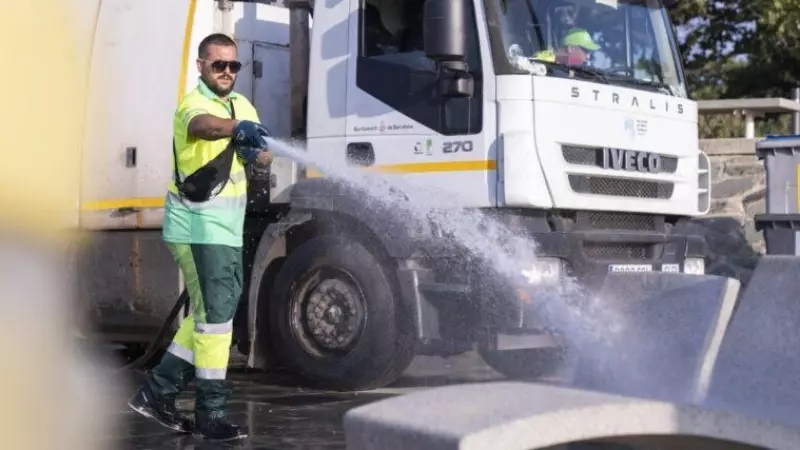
(213, 278)
(212, 344)
(204, 345)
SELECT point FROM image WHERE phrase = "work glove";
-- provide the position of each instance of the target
(249, 153)
(249, 134)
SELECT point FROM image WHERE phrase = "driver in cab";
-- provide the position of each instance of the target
(576, 49)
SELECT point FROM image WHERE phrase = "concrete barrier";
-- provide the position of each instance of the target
(662, 337)
(524, 416)
(699, 370)
(758, 369)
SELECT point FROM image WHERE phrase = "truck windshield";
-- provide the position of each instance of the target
(622, 42)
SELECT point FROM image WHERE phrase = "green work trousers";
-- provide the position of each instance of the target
(201, 346)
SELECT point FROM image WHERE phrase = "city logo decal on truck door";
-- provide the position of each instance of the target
(395, 127)
(382, 128)
(631, 160)
(424, 147)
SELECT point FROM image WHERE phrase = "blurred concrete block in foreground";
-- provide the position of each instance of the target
(53, 396)
(663, 338)
(523, 416)
(758, 369)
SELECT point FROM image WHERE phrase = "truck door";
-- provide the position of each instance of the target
(262, 33)
(271, 86)
(271, 89)
(396, 122)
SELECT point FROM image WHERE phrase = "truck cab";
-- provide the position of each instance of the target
(566, 121)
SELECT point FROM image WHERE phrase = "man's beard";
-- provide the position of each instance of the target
(219, 91)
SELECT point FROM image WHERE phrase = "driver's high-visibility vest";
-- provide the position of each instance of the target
(546, 55)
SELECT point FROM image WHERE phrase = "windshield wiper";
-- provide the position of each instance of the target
(592, 73)
(660, 86)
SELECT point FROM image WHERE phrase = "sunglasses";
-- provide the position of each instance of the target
(219, 66)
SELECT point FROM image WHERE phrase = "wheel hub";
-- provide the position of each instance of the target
(333, 314)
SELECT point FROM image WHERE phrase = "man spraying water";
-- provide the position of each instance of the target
(216, 132)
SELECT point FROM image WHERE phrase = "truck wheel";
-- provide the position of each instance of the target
(335, 317)
(527, 363)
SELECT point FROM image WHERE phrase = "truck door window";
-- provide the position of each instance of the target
(377, 38)
(393, 68)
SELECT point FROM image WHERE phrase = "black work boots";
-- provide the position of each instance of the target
(220, 429)
(164, 411)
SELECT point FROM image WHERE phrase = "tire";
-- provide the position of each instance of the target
(527, 363)
(374, 340)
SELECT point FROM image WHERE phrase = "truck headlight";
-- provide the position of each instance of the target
(543, 271)
(694, 266)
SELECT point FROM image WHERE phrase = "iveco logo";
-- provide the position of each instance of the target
(631, 160)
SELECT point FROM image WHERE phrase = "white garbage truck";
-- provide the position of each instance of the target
(568, 121)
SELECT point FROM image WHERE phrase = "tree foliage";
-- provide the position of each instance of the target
(739, 49)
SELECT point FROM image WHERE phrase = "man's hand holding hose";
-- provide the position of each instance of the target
(250, 143)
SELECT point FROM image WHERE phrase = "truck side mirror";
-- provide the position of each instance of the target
(445, 30)
(445, 26)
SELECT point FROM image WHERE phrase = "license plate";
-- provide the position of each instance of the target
(617, 268)
(671, 268)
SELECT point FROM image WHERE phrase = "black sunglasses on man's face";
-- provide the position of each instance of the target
(219, 66)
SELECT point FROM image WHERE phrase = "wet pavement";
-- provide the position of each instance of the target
(281, 415)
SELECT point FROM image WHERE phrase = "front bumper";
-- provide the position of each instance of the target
(587, 259)
(590, 256)
(470, 291)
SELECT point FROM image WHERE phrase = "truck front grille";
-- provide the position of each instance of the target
(593, 156)
(615, 252)
(617, 221)
(620, 187)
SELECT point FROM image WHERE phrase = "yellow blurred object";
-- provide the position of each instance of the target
(52, 399)
(545, 55)
(44, 90)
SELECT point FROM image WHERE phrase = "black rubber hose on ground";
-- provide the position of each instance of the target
(153, 348)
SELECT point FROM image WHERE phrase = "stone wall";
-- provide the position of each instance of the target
(738, 194)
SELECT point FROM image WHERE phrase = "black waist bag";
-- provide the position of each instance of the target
(209, 180)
